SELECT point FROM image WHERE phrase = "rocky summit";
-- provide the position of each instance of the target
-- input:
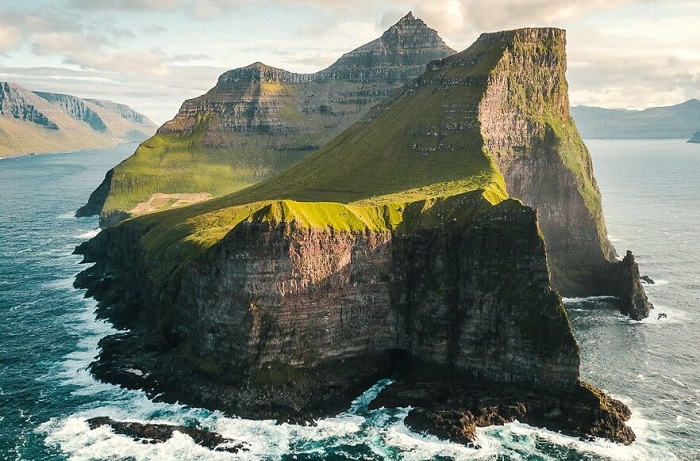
(259, 120)
(39, 122)
(394, 250)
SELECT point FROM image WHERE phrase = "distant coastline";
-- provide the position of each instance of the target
(72, 151)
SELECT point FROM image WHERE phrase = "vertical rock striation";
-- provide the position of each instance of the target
(526, 126)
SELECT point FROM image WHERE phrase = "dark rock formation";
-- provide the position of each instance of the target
(303, 342)
(695, 138)
(98, 196)
(453, 408)
(159, 433)
(633, 299)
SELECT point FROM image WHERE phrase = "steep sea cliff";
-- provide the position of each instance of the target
(392, 251)
(33, 122)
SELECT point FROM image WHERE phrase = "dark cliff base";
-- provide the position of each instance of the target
(446, 405)
(279, 392)
(452, 407)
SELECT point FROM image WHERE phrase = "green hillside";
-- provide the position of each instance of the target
(398, 168)
(258, 120)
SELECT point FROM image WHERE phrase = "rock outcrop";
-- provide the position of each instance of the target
(259, 120)
(39, 122)
(395, 248)
(160, 433)
(633, 299)
(695, 138)
(526, 126)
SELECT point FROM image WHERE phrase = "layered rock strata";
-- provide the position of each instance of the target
(526, 125)
(392, 249)
(259, 120)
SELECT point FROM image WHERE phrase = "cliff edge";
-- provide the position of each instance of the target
(393, 250)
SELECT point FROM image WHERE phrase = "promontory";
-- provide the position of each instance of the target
(411, 245)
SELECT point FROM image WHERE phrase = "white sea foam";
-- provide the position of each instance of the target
(74, 438)
(88, 235)
(576, 300)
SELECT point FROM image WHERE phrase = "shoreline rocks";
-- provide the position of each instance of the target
(152, 433)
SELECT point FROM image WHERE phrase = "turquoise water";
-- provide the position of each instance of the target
(48, 334)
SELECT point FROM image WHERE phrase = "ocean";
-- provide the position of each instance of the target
(48, 334)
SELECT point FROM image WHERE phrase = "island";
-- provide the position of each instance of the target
(412, 246)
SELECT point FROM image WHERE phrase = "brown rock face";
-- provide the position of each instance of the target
(527, 128)
(301, 112)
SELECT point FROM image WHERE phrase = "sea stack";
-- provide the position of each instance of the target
(393, 250)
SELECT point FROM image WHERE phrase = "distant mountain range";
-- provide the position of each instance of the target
(39, 122)
(669, 122)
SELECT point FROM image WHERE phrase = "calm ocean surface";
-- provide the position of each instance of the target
(48, 335)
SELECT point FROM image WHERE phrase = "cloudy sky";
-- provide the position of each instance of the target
(153, 54)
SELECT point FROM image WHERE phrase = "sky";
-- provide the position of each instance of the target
(154, 54)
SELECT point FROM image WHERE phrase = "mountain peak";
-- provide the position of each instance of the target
(401, 51)
(407, 18)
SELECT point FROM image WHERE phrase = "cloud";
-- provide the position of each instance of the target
(9, 38)
(636, 62)
(199, 9)
(130, 5)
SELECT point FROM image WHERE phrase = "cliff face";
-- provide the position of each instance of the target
(527, 128)
(39, 122)
(437, 294)
(393, 248)
(259, 120)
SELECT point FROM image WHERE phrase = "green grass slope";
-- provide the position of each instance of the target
(415, 161)
(259, 120)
